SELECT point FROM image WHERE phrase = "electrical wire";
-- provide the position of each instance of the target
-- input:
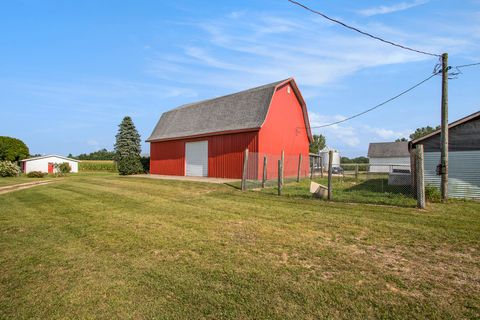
(454, 75)
(468, 65)
(380, 104)
(363, 32)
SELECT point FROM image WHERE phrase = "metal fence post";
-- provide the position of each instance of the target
(330, 164)
(280, 170)
(356, 172)
(244, 173)
(264, 177)
(420, 177)
(299, 167)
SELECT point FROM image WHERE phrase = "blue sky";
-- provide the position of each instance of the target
(71, 70)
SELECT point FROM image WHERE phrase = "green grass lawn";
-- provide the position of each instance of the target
(104, 246)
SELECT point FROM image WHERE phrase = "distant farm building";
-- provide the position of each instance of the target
(463, 158)
(47, 163)
(388, 156)
(208, 138)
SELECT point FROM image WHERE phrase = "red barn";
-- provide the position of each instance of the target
(208, 138)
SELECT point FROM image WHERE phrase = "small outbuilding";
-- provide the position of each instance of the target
(389, 156)
(463, 157)
(208, 138)
(47, 163)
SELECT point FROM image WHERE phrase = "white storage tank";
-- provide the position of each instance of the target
(325, 157)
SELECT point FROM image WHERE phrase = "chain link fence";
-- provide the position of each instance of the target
(362, 183)
(393, 178)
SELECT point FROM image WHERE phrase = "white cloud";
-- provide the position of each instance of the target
(388, 134)
(337, 133)
(262, 48)
(390, 9)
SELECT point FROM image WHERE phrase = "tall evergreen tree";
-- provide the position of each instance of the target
(127, 148)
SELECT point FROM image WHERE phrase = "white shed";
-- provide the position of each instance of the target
(387, 156)
(46, 163)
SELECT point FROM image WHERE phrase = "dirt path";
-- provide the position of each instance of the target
(22, 186)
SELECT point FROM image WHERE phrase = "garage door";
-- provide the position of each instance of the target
(196, 159)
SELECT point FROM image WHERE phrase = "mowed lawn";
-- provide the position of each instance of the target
(104, 246)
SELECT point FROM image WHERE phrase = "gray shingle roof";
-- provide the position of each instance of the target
(238, 111)
(388, 149)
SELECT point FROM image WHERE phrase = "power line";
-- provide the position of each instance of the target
(455, 74)
(363, 32)
(380, 104)
(468, 65)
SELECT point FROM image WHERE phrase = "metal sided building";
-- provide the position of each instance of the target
(208, 138)
(463, 157)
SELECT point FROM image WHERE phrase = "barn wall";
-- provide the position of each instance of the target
(463, 177)
(225, 154)
(463, 137)
(284, 129)
(387, 164)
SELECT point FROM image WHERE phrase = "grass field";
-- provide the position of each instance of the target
(104, 246)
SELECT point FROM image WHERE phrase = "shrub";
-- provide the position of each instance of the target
(145, 163)
(36, 174)
(130, 165)
(65, 167)
(9, 169)
(432, 193)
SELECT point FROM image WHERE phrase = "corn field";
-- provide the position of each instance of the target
(97, 165)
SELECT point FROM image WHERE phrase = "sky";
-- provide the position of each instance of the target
(71, 70)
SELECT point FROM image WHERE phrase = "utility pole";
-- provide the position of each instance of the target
(444, 130)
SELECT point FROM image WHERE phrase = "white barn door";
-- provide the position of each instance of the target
(196, 159)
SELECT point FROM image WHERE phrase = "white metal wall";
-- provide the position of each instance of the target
(196, 159)
(386, 164)
(42, 164)
(463, 173)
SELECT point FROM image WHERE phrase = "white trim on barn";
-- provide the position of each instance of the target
(45, 163)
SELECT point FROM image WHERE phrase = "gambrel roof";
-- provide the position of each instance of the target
(241, 111)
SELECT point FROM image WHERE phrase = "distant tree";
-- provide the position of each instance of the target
(318, 143)
(346, 160)
(127, 148)
(13, 149)
(401, 140)
(102, 154)
(423, 131)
